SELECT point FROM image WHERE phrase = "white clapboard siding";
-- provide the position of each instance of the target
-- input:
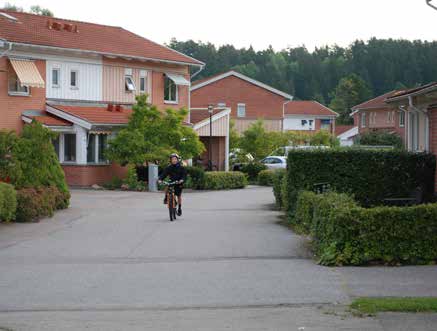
(219, 128)
(89, 87)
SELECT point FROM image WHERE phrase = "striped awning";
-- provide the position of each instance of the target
(27, 73)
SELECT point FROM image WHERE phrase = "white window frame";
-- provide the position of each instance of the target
(18, 84)
(241, 110)
(58, 70)
(363, 119)
(176, 101)
(62, 148)
(96, 149)
(129, 84)
(402, 119)
(74, 87)
(143, 77)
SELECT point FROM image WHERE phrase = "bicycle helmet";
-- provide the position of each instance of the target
(174, 155)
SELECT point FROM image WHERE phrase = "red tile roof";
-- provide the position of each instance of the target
(50, 120)
(378, 102)
(339, 129)
(96, 115)
(308, 108)
(34, 29)
(198, 115)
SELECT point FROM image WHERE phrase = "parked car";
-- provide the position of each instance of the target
(275, 162)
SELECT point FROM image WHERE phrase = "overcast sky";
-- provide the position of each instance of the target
(280, 23)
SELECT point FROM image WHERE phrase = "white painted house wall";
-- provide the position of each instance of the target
(89, 81)
(295, 123)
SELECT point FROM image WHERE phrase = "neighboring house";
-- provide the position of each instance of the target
(346, 134)
(377, 115)
(309, 116)
(248, 99)
(80, 79)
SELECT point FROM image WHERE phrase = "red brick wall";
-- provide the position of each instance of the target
(11, 107)
(233, 90)
(87, 175)
(158, 93)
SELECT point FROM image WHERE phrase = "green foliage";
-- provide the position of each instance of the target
(152, 135)
(114, 184)
(371, 175)
(234, 138)
(252, 169)
(38, 10)
(31, 160)
(195, 178)
(131, 181)
(224, 180)
(350, 91)
(403, 304)
(8, 202)
(266, 177)
(278, 179)
(36, 203)
(379, 138)
(256, 141)
(324, 138)
(346, 234)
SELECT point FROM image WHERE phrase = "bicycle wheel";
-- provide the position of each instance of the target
(170, 207)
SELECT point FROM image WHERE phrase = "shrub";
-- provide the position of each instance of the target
(278, 179)
(346, 234)
(370, 175)
(196, 178)
(36, 203)
(113, 184)
(8, 202)
(131, 181)
(266, 177)
(252, 169)
(222, 180)
(380, 138)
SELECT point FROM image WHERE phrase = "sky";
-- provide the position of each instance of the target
(242, 23)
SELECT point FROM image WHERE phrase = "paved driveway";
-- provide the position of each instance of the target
(113, 261)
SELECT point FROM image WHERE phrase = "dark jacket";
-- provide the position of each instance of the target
(174, 172)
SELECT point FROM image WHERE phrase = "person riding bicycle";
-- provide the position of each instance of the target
(176, 172)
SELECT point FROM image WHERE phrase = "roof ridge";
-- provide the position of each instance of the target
(378, 96)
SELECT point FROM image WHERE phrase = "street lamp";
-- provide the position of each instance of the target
(210, 111)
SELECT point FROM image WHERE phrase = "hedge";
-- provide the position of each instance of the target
(196, 178)
(8, 202)
(278, 180)
(346, 234)
(222, 180)
(370, 175)
(266, 177)
(36, 203)
(252, 169)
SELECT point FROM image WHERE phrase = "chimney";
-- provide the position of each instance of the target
(68, 27)
(57, 26)
(118, 108)
(110, 107)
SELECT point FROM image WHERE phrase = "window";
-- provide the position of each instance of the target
(170, 91)
(73, 78)
(55, 143)
(70, 147)
(143, 75)
(56, 74)
(91, 149)
(129, 84)
(15, 87)
(363, 120)
(241, 110)
(103, 142)
(401, 119)
(221, 105)
(325, 124)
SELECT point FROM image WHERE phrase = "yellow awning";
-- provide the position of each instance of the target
(27, 73)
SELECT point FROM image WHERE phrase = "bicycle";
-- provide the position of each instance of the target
(171, 199)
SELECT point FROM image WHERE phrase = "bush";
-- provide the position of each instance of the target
(370, 175)
(196, 178)
(114, 184)
(8, 202)
(266, 177)
(346, 234)
(36, 203)
(223, 180)
(380, 138)
(252, 169)
(278, 179)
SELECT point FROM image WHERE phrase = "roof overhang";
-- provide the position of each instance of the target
(215, 117)
(243, 77)
(413, 94)
(68, 117)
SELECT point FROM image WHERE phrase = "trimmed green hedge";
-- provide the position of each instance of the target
(195, 178)
(8, 202)
(370, 175)
(252, 169)
(266, 177)
(36, 203)
(346, 234)
(278, 180)
(222, 180)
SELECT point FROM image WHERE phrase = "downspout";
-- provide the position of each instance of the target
(283, 112)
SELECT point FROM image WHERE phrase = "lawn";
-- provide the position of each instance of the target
(410, 304)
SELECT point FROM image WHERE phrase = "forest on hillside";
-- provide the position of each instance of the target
(339, 77)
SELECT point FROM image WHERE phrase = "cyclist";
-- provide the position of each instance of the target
(176, 172)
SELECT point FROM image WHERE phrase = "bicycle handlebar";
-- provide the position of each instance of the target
(171, 183)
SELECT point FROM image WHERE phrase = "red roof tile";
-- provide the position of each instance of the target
(198, 115)
(33, 29)
(96, 115)
(339, 129)
(50, 120)
(308, 108)
(378, 102)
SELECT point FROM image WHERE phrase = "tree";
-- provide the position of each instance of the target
(38, 10)
(234, 138)
(152, 135)
(11, 7)
(350, 91)
(256, 141)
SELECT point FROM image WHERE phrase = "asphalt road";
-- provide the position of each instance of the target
(113, 261)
